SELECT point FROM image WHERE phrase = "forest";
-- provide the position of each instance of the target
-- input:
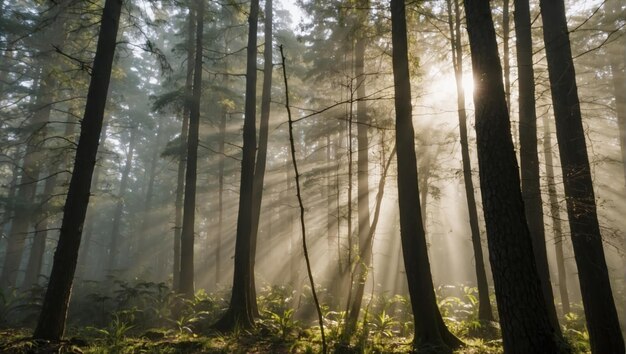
(313, 176)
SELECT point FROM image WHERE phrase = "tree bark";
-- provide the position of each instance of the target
(531, 187)
(239, 313)
(427, 334)
(601, 315)
(186, 285)
(524, 319)
(51, 322)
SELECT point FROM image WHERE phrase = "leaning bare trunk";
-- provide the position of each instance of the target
(531, 187)
(414, 249)
(602, 322)
(524, 319)
(51, 322)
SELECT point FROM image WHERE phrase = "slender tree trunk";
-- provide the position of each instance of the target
(600, 312)
(363, 211)
(220, 202)
(531, 187)
(180, 187)
(485, 313)
(261, 158)
(186, 285)
(555, 212)
(524, 318)
(349, 270)
(239, 313)
(51, 322)
(301, 205)
(423, 301)
(119, 206)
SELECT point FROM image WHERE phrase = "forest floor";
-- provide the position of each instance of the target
(145, 317)
(19, 341)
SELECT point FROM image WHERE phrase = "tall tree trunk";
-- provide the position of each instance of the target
(186, 285)
(51, 322)
(363, 211)
(261, 158)
(524, 319)
(423, 301)
(485, 313)
(119, 206)
(600, 312)
(239, 313)
(555, 212)
(531, 186)
(180, 186)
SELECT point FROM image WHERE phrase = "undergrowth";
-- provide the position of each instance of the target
(144, 317)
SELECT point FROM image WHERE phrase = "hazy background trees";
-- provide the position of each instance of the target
(342, 93)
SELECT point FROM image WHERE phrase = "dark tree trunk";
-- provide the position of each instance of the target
(239, 313)
(423, 302)
(531, 187)
(485, 313)
(119, 206)
(555, 212)
(261, 158)
(524, 319)
(51, 322)
(604, 329)
(182, 159)
(186, 285)
(180, 186)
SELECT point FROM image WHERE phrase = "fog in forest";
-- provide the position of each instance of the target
(196, 137)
